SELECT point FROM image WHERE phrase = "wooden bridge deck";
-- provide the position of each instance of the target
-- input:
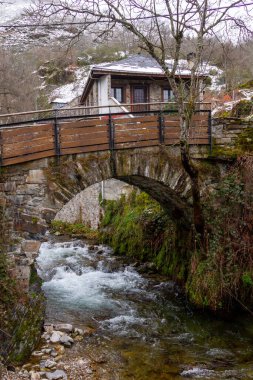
(61, 136)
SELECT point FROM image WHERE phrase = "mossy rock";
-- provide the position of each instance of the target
(27, 322)
(242, 109)
(247, 85)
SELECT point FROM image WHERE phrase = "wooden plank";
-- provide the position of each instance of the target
(136, 132)
(136, 138)
(174, 141)
(138, 144)
(77, 143)
(171, 129)
(85, 149)
(22, 130)
(27, 136)
(84, 123)
(84, 138)
(81, 131)
(29, 157)
(34, 142)
(135, 119)
(27, 150)
(130, 127)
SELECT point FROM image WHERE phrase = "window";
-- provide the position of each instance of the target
(117, 93)
(168, 95)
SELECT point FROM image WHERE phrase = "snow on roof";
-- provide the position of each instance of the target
(69, 92)
(142, 64)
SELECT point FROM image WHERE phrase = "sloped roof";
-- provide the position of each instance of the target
(141, 64)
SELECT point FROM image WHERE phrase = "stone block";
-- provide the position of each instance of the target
(10, 187)
(36, 176)
(29, 189)
(30, 246)
(3, 201)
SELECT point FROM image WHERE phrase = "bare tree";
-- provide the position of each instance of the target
(17, 93)
(154, 22)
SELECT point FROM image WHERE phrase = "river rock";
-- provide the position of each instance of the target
(220, 354)
(66, 340)
(54, 353)
(35, 376)
(79, 331)
(49, 329)
(60, 349)
(50, 363)
(46, 336)
(46, 350)
(55, 337)
(56, 375)
(37, 354)
(64, 327)
(196, 372)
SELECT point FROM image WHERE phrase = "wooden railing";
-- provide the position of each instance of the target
(58, 137)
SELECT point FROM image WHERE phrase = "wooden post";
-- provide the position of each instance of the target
(57, 138)
(111, 133)
(161, 127)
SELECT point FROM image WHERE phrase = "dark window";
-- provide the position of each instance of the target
(168, 95)
(117, 93)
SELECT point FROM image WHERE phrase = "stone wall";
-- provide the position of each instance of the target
(225, 131)
(85, 206)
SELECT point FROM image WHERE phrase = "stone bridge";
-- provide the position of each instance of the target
(45, 165)
(33, 192)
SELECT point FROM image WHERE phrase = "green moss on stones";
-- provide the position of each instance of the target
(73, 229)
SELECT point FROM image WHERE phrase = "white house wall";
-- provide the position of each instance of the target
(104, 93)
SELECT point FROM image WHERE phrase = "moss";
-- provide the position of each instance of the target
(28, 321)
(248, 84)
(138, 227)
(74, 229)
(242, 108)
(242, 144)
(35, 220)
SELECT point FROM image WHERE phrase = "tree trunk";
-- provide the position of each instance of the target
(192, 171)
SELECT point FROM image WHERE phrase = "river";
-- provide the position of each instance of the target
(143, 327)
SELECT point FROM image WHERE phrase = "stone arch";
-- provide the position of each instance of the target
(35, 191)
(152, 170)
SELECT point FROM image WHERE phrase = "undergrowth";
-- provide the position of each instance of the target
(73, 229)
(225, 278)
(138, 227)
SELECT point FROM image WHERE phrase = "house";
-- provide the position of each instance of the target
(132, 80)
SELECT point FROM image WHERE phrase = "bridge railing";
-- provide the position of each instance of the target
(58, 136)
(95, 110)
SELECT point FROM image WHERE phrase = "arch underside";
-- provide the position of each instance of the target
(177, 208)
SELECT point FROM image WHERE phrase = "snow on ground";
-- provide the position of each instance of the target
(70, 91)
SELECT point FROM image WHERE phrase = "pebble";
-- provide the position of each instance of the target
(49, 328)
(46, 350)
(35, 376)
(78, 331)
(50, 363)
(66, 340)
(220, 354)
(65, 327)
(55, 337)
(56, 375)
(60, 349)
(37, 353)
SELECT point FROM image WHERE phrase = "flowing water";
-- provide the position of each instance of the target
(143, 328)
